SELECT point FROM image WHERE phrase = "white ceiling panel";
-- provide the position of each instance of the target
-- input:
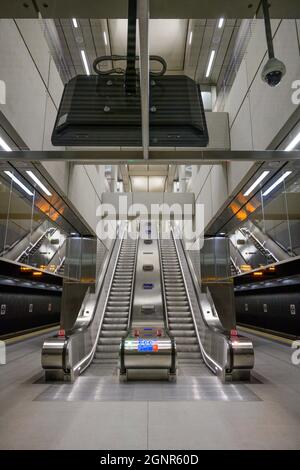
(169, 38)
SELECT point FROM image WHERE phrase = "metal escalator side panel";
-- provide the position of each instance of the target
(117, 311)
(148, 351)
(230, 357)
(79, 344)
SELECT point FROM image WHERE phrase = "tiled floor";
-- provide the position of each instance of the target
(196, 413)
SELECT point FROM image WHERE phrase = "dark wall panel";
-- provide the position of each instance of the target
(274, 309)
(25, 309)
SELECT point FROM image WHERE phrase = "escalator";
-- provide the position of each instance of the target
(178, 311)
(265, 252)
(34, 248)
(147, 314)
(117, 311)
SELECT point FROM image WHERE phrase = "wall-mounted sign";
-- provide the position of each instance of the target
(293, 309)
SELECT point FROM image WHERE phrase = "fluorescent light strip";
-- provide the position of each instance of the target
(86, 65)
(75, 24)
(221, 22)
(190, 38)
(256, 182)
(4, 145)
(105, 37)
(18, 182)
(277, 182)
(210, 62)
(293, 144)
(38, 182)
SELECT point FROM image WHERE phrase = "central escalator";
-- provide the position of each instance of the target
(116, 315)
(178, 311)
(148, 316)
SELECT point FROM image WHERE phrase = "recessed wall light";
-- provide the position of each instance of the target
(85, 62)
(38, 182)
(4, 145)
(210, 62)
(277, 182)
(256, 183)
(18, 182)
(293, 143)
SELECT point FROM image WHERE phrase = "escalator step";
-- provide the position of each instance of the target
(109, 340)
(108, 355)
(108, 348)
(187, 348)
(189, 355)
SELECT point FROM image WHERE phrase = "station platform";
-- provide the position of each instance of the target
(196, 412)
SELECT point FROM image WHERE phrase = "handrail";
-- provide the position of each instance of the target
(206, 357)
(162, 280)
(90, 355)
(233, 356)
(67, 356)
(132, 284)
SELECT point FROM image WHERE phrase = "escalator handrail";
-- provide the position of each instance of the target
(132, 286)
(162, 281)
(206, 357)
(89, 357)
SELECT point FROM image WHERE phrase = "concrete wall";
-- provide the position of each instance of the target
(33, 92)
(256, 112)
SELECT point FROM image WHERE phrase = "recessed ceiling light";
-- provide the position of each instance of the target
(221, 22)
(293, 143)
(210, 62)
(256, 183)
(105, 37)
(277, 182)
(190, 38)
(18, 182)
(75, 24)
(4, 145)
(85, 63)
(38, 182)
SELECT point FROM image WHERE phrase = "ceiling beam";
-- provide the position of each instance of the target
(158, 8)
(171, 176)
(125, 177)
(143, 16)
(156, 156)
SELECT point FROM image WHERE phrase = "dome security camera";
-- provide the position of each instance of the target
(273, 72)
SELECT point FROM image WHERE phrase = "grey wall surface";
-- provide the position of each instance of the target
(256, 112)
(33, 92)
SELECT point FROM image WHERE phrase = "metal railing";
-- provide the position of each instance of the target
(227, 356)
(64, 358)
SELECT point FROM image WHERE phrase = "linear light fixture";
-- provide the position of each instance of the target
(38, 182)
(293, 143)
(18, 182)
(75, 24)
(277, 182)
(256, 183)
(4, 145)
(210, 62)
(105, 38)
(221, 22)
(85, 63)
(190, 38)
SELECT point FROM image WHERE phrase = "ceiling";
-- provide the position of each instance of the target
(186, 45)
(149, 178)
